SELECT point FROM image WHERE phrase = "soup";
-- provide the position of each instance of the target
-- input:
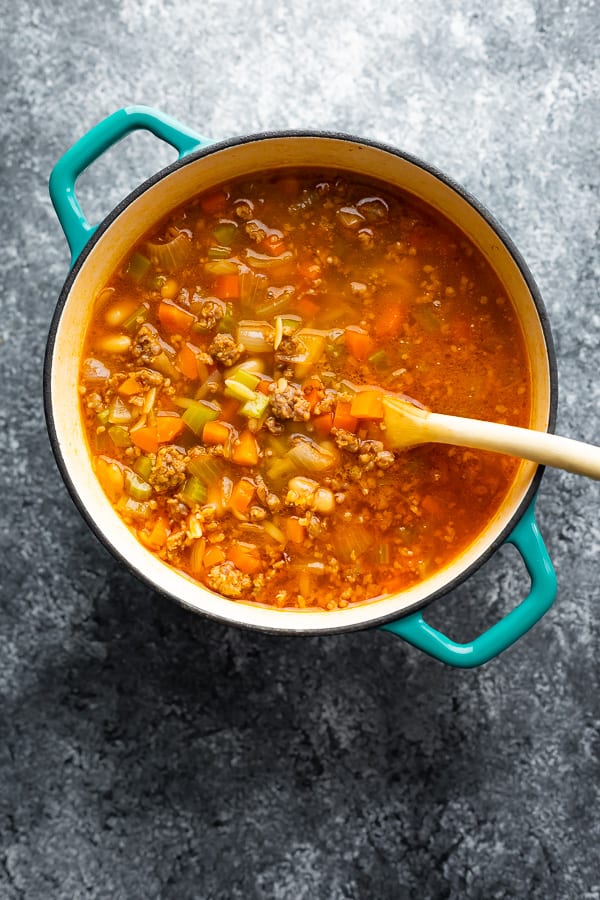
(233, 378)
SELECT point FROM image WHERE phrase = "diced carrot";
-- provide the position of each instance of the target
(174, 319)
(157, 537)
(241, 496)
(215, 433)
(214, 556)
(245, 450)
(187, 362)
(367, 405)
(213, 203)
(168, 427)
(312, 390)
(358, 342)
(130, 387)
(245, 557)
(293, 530)
(227, 287)
(343, 418)
(323, 424)
(389, 321)
(263, 384)
(273, 244)
(146, 438)
(110, 476)
(307, 308)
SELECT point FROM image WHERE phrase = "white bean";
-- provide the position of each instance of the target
(114, 343)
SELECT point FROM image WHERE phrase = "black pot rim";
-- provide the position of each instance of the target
(191, 159)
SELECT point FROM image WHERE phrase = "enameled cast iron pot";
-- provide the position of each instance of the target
(97, 252)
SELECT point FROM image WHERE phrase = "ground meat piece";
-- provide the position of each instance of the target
(345, 440)
(372, 453)
(288, 402)
(94, 402)
(224, 349)
(148, 377)
(146, 344)
(227, 580)
(211, 312)
(272, 425)
(289, 348)
(325, 404)
(178, 511)
(168, 471)
(256, 230)
(244, 209)
(267, 497)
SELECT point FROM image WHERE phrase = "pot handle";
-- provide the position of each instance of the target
(88, 148)
(527, 539)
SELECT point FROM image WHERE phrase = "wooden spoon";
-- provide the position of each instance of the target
(408, 424)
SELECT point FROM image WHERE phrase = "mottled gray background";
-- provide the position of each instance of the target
(147, 753)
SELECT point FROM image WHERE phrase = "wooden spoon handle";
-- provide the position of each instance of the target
(538, 446)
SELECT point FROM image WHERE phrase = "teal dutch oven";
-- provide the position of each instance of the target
(97, 250)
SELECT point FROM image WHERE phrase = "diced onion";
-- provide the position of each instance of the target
(307, 454)
(172, 255)
(93, 370)
(257, 337)
(264, 261)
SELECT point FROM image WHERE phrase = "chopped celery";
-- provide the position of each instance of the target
(163, 364)
(102, 417)
(136, 318)
(255, 408)
(137, 267)
(119, 436)
(226, 324)
(217, 252)
(245, 377)
(135, 509)
(193, 491)
(238, 391)
(278, 299)
(379, 359)
(143, 467)
(172, 254)
(199, 413)
(253, 288)
(136, 487)
(207, 468)
(225, 233)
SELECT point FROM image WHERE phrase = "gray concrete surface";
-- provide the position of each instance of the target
(147, 753)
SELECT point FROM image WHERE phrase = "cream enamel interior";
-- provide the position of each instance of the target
(223, 164)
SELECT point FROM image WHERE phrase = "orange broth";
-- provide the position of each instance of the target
(232, 377)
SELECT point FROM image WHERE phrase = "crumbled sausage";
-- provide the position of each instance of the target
(168, 471)
(224, 349)
(345, 440)
(288, 402)
(211, 312)
(226, 579)
(270, 500)
(372, 454)
(146, 345)
(289, 348)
